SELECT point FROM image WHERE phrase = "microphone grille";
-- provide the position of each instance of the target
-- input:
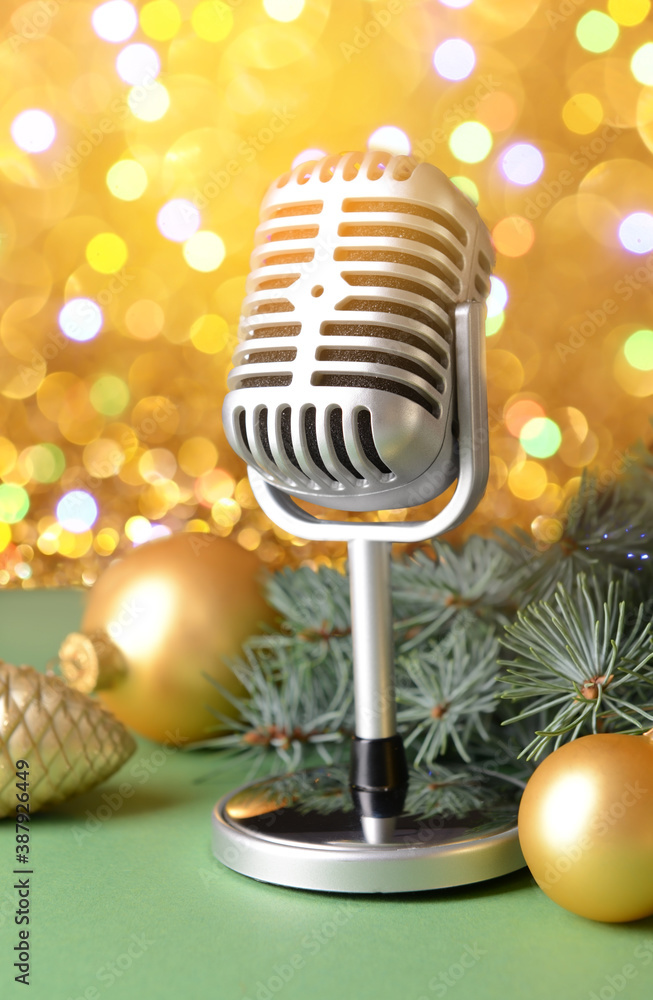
(367, 256)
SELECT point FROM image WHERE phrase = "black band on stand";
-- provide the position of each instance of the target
(378, 776)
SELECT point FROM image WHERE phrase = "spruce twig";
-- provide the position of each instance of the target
(283, 710)
(576, 661)
(478, 581)
(452, 686)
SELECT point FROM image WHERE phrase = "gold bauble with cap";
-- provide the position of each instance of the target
(158, 623)
(586, 826)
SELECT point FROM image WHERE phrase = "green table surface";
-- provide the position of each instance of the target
(134, 905)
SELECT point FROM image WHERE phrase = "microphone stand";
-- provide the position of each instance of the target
(272, 830)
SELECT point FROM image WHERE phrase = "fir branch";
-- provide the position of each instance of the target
(606, 528)
(577, 662)
(452, 792)
(313, 605)
(445, 692)
(476, 581)
(284, 715)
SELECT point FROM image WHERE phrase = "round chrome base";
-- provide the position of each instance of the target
(301, 830)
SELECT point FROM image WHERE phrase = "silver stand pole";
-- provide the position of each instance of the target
(371, 625)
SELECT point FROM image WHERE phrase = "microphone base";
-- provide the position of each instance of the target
(302, 830)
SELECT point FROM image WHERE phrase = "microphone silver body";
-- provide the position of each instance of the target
(343, 390)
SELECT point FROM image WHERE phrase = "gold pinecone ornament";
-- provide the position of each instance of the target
(70, 741)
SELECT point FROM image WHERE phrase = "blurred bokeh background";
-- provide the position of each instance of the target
(136, 141)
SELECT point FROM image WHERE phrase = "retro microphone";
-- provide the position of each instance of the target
(359, 385)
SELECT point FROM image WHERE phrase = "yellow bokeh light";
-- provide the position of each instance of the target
(212, 20)
(144, 319)
(467, 186)
(494, 323)
(160, 20)
(74, 545)
(596, 32)
(197, 455)
(106, 541)
(629, 12)
(283, 10)
(48, 540)
(149, 103)
(5, 535)
(527, 480)
(8, 456)
(127, 180)
(106, 253)
(218, 484)
(204, 251)
(196, 524)
(582, 113)
(470, 142)
(138, 529)
(641, 64)
(210, 333)
(226, 512)
(249, 538)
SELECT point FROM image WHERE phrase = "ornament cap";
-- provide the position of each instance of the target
(91, 662)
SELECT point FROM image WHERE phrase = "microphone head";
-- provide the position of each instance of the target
(343, 386)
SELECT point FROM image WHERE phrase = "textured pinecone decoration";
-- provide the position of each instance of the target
(70, 741)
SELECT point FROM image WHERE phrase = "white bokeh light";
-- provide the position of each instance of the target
(283, 10)
(389, 138)
(138, 64)
(636, 232)
(150, 103)
(498, 297)
(81, 319)
(77, 511)
(115, 21)
(178, 220)
(522, 163)
(454, 59)
(33, 130)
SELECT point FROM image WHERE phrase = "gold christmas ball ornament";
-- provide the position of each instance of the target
(158, 621)
(69, 742)
(586, 826)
